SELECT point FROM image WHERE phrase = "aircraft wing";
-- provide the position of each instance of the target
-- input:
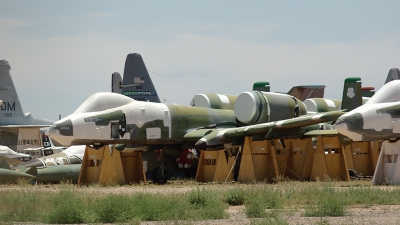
(15, 128)
(10, 160)
(215, 138)
(321, 132)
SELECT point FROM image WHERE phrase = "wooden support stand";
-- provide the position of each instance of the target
(362, 157)
(299, 164)
(214, 166)
(388, 166)
(329, 160)
(104, 166)
(258, 162)
(271, 160)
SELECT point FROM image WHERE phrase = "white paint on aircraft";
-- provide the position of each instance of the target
(224, 99)
(330, 104)
(350, 93)
(377, 122)
(342, 128)
(153, 133)
(396, 126)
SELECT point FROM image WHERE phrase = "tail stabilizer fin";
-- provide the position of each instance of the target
(11, 106)
(304, 92)
(4, 164)
(352, 94)
(47, 143)
(32, 171)
(262, 86)
(368, 92)
(394, 74)
(11, 109)
(116, 82)
(136, 82)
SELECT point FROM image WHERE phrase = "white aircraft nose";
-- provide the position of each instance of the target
(342, 126)
(60, 132)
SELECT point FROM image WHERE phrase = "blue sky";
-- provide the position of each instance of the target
(61, 52)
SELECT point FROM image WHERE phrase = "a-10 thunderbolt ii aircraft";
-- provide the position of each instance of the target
(377, 119)
(109, 118)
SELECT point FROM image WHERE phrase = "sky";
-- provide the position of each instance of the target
(61, 52)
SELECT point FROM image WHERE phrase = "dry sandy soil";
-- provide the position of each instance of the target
(378, 214)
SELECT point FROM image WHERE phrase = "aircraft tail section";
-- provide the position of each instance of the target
(4, 164)
(116, 83)
(352, 93)
(46, 141)
(11, 109)
(304, 92)
(136, 82)
(394, 74)
(262, 86)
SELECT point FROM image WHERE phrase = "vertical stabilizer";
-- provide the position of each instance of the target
(352, 94)
(11, 109)
(11, 106)
(304, 92)
(394, 74)
(262, 86)
(4, 164)
(137, 83)
(46, 141)
(116, 82)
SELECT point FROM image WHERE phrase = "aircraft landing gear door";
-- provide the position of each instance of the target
(114, 130)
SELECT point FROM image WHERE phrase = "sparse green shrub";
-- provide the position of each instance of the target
(329, 203)
(235, 196)
(109, 207)
(206, 204)
(66, 208)
(20, 205)
(255, 208)
(197, 198)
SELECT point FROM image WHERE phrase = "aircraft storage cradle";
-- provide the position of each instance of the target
(109, 166)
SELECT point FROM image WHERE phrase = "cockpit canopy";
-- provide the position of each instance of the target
(102, 101)
(390, 92)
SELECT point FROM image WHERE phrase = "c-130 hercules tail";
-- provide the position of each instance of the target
(136, 83)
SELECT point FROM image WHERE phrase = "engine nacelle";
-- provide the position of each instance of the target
(322, 105)
(214, 101)
(255, 107)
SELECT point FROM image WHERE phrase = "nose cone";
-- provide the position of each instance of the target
(351, 126)
(62, 132)
(210, 141)
(201, 144)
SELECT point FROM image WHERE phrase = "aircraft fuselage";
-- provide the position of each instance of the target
(136, 122)
(371, 122)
